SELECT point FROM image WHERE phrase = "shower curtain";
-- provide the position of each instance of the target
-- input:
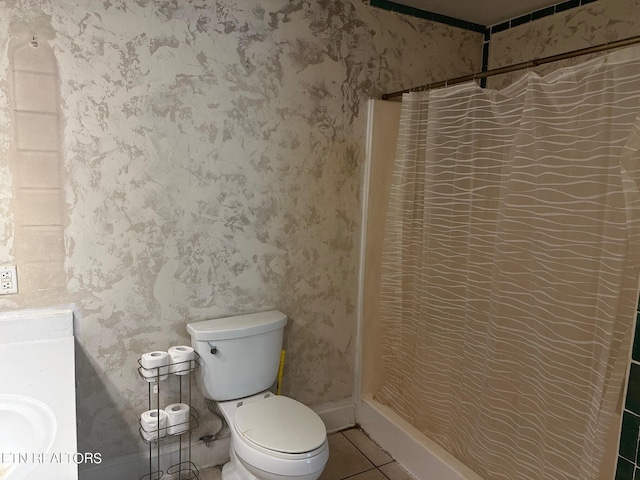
(510, 269)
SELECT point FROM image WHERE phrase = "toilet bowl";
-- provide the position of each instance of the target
(273, 437)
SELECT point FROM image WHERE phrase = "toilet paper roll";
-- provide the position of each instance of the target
(177, 418)
(155, 365)
(181, 359)
(154, 424)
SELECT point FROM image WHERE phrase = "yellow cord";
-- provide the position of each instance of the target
(280, 371)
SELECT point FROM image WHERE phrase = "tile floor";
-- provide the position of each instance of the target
(353, 455)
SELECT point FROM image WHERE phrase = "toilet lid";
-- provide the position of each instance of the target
(280, 424)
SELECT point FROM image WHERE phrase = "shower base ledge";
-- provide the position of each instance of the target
(419, 455)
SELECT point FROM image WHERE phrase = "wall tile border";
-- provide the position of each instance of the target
(628, 467)
(476, 27)
(488, 30)
(436, 17)
(538, 14)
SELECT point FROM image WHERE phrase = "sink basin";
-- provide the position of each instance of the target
(37, 395)
(28, 430)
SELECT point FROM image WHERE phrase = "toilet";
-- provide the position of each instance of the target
(273, 437)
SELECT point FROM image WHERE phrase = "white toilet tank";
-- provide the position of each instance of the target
(239, 356)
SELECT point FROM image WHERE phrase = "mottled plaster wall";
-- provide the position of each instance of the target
(592, 24)
(212, 155)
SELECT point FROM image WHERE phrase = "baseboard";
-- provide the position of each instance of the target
(337, 415)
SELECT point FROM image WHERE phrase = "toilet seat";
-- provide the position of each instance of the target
(281, 425)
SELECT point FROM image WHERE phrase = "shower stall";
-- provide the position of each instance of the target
(410, 447)
(500, 274)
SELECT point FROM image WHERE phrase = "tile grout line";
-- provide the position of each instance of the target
(364, 454)
(360, 473)
(375, 467)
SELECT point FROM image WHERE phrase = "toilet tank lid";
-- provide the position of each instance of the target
(238, 326)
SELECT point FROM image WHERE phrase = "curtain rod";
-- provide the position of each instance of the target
(518, 66)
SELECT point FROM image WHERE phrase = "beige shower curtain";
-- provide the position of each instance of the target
(510, 271)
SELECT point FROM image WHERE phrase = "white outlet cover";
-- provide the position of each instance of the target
(8, 280)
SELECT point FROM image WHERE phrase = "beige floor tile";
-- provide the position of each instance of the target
(344, 459)
(213, 473)
(371, 450)
(374, 474)
(394, 471)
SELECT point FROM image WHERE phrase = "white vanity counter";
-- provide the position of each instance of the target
(37, 395)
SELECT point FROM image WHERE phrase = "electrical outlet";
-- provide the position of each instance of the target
(8, 279)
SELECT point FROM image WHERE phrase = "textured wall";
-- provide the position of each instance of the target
(592, 24)
(212, 155)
